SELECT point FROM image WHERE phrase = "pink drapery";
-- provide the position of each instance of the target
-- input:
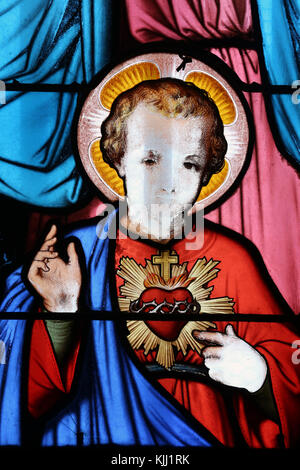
(265, 207)
(156, 20)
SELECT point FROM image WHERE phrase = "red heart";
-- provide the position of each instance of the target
(168, 329)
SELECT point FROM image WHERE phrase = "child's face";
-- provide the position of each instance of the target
(165, 160)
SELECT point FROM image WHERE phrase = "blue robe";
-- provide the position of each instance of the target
(113, 402)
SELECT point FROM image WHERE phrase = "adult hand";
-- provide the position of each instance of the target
(57, 282)
(231, 360)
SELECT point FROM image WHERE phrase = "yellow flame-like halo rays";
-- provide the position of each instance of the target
(217, 92)
(126, 79)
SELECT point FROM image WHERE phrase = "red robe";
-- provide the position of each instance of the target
(240, 279)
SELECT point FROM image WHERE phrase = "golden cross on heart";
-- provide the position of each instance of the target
(165, 260)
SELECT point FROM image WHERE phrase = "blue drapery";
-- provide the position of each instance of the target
(53, 42)
(280, 26)
(114, 403)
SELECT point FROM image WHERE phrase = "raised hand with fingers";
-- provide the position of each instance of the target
(57, 282)
(231, 360)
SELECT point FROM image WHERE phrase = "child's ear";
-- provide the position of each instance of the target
(206, 178)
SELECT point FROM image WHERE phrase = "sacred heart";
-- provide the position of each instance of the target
(158, 300)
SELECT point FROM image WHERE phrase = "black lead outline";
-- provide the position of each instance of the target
(117, 315)
(75, 87)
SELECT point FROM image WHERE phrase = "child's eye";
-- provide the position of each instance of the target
(191, 166)
(149, 161)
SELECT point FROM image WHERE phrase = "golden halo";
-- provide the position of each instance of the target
(217, 92)
(126, 79)
(151, 67)
(108, 174)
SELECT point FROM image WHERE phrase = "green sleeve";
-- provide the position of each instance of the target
(62, 334)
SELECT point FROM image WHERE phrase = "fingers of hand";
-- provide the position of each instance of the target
(35, 267)
(209, 337)
(213, 352)
(40, 262)
(48, 245)
(43, 255)
(50, 239)
(229, 330)
(212, 356)
(213, 361)
(52, 232)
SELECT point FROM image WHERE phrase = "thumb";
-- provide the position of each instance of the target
(72, 254)
(229, 330)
